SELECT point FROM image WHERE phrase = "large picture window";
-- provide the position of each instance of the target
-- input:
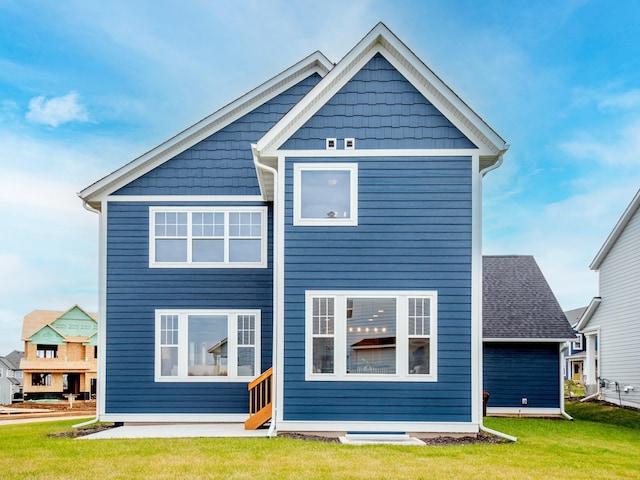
(371, 335)
(209, 237)
(325, 194)
(207, 345)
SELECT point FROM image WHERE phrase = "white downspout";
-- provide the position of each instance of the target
(563, 347)
(274, 398)
(481, 426)
(97, 418)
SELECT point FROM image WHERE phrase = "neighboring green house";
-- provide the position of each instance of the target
(60, 354)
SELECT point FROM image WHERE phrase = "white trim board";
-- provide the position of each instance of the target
(524, 411)
(174, 417)
(337, 426)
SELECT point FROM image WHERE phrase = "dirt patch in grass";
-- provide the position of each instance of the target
(81, 432)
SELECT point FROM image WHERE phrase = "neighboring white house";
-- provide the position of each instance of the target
(611, 323)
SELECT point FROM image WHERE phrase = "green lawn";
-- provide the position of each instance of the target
(600, 443)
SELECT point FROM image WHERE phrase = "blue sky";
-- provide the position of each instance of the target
(86, 86)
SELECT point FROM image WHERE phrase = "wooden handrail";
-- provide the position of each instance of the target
(260, 408)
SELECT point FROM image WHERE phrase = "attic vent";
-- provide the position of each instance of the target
(331, 143)
(349, 143)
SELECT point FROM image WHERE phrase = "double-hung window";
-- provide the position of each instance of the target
(207, 345)
(325, 194)
(208, 237)
(366, 335)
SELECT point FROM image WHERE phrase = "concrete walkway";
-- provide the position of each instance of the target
(182, 430)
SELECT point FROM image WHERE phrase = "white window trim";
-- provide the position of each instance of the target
(189, 264)
(298, 168)
(577, 343)
(402, 336)
(232, 331)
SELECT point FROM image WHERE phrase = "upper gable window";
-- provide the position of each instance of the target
(208, 237)
(325, 194)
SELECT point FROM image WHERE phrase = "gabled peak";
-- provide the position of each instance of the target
(380, 40)
(316, 63)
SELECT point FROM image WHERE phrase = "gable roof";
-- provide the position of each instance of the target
(381, 40)
(617, 231)
(13, 359)
(588, 313)
(574, 316)
(518, 304)
(314, 63)
(38, 319)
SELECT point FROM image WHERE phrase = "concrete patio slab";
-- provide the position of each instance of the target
(181, 430)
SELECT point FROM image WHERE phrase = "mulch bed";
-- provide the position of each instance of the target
(442, 441)
(81, 432)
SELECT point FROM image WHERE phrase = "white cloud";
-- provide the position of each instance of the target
(618, 148)
(57, 110)
(626, 100)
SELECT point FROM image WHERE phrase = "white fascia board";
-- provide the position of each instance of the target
(588, 313)
(382, 40)
(527, 340)
(615, 233)
(314, 63)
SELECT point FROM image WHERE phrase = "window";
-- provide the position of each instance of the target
(1, 373)
(208, 237)
(325, 194)
(371, 336)
(41, 379)
(331, 143)
(577, 343)
(207, 345)
(47, 351)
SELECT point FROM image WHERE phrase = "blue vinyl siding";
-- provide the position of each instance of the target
(222, 164)
(516, 371)
(380, 108)
(135, 291)
(414, 233)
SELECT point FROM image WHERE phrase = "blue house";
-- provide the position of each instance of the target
(574, 354)
(310, 254)
(525, 333)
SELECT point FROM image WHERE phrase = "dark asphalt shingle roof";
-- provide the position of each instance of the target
(518, 302)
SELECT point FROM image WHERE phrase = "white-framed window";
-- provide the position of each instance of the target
(371, 335)
(325, 194)
(207, 345)
(577, 343)
(208, 237)
(331, 143)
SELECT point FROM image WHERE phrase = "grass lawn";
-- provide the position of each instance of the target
(600, 443)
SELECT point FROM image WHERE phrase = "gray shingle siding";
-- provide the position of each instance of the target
(222, 164)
